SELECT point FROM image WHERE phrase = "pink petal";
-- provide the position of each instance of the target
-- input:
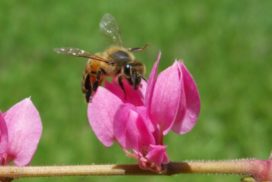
(115, 88)
(154, 159)
(131, 95)
(166, 98)
(143, 113)
(130, 129)
(157, 154)
(151, 82)
(190, 107)
(101, 112)
(3, 137)
(24, 131)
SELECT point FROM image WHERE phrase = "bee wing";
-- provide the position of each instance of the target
(73, 52)
(108, 25)
(80, 53)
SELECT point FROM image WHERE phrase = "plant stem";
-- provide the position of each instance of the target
(238, 167)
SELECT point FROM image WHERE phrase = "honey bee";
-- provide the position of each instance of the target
(117, 62)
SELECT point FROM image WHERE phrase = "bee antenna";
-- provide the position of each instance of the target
(138, 49)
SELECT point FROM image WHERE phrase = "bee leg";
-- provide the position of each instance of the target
(121, 84)
(88, 95)
(142, 77)
(135, 80)
(87, 88)
(91, 83)
(97, 80)
(138, 49)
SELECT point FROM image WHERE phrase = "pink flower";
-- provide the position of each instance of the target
(20, 132)
(139, 119)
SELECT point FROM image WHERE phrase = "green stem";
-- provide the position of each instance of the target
(257, 168)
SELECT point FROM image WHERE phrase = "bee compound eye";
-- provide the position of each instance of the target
(127, 69)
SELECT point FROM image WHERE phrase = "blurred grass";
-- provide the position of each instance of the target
(225, 44)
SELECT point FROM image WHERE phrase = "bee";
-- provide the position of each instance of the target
(117, 61)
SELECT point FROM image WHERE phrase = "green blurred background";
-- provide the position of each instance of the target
(225, 44)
